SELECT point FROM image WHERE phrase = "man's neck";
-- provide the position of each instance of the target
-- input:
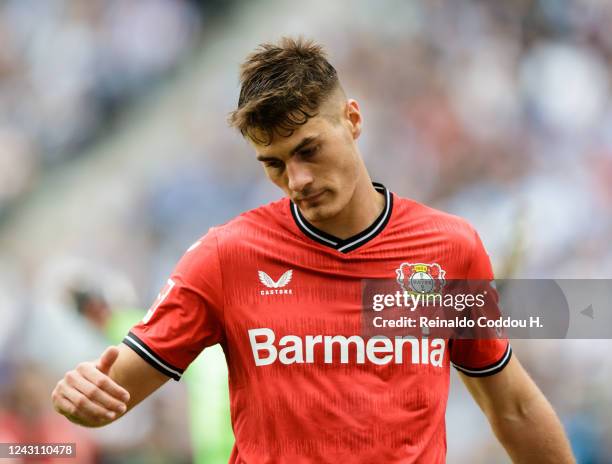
(362, 210)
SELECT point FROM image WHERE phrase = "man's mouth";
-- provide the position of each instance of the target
(312, 198)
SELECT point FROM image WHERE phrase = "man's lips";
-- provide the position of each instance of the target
(311, 198)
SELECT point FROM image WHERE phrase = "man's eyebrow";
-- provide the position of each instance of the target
(305, 141)
(266, 158)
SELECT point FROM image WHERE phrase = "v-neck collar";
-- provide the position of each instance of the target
(357, 240)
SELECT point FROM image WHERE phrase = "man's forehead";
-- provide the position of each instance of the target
(281, 146)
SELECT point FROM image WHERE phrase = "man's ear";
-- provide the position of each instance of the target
(353, 117)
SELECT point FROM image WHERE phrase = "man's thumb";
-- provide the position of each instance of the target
(107, 359)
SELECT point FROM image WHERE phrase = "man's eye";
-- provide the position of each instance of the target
(307, 152)
(274, 164)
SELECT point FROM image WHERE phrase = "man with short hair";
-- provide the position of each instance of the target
(280, 288)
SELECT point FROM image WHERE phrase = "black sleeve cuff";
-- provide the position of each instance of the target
(151, 357)
(491, 369)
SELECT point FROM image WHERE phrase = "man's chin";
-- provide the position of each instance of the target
(319, 213)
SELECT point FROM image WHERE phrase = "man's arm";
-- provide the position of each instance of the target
(521, 417)
(98, 393)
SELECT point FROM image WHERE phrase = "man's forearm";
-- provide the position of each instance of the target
(533, 433)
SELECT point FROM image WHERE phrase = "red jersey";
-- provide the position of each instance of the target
(284, 300)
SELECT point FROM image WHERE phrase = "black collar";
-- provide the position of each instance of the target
(351, 243)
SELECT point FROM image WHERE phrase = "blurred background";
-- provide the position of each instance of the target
(115, 156)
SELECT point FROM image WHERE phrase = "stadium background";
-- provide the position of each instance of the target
(115, 155)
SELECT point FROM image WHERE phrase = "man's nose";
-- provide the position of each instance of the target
(299, 176)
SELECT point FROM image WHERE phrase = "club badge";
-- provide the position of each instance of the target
(421, 278)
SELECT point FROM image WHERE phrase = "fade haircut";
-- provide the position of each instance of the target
(282, 86)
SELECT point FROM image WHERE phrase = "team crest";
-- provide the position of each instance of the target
(421, 278)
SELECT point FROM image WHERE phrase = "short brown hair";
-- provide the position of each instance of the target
(282, 86)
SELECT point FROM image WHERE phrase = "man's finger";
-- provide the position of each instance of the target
(103, 382)
(107, 359)
(96, 394)
(63, 406)
(85, 409)
(68, 410)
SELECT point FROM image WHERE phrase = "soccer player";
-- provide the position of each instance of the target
(280, 288)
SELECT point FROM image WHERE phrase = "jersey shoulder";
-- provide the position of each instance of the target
(449, 239)
(413, 215)
(265, 224)
(244, 239)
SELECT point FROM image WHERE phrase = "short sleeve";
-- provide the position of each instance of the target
(187, 315)
(482, 357)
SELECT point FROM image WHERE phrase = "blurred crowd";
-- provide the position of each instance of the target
(496, 111)
(68, 67)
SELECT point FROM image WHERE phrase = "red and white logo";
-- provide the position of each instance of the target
(276, 287)
(421, 277)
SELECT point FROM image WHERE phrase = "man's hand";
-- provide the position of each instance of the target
(88, 396)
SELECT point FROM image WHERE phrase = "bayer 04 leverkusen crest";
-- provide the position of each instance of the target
(421, 277)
